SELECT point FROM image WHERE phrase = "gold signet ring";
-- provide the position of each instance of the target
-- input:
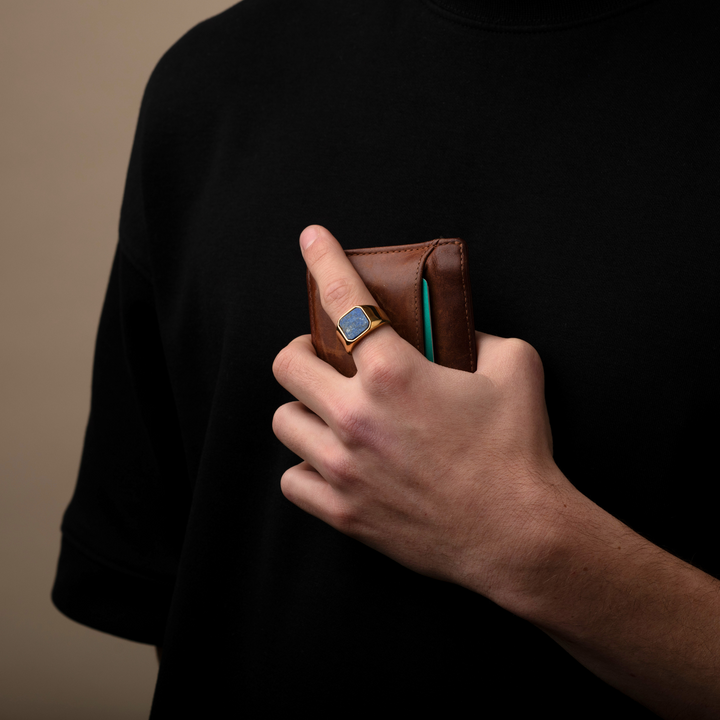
(358, 322)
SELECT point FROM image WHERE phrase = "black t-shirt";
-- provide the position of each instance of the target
(574, 146)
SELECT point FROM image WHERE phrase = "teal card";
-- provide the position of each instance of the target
(427, 323)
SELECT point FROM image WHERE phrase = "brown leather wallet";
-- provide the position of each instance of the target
(394, 277)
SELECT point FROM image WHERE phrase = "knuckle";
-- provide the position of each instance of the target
(283, 425)
(522, 353)
(287, 484)
(345, 517)
(354, 424)
(283, 363)
(385, 374)
(339, 292)
(521, 362)
(277, 421)
(341, 469)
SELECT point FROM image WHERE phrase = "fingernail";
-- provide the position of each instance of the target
(308, 237)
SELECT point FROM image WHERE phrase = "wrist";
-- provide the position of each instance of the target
(583, 567)
(557, 558)
(533, 543)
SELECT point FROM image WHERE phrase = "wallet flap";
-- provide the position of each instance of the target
(451, 308)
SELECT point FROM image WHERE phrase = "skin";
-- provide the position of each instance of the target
(451, 474)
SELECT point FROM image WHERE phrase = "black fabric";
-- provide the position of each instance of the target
(579, 162)
(533, 15)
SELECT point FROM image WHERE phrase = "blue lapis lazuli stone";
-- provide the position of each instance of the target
(354, 324)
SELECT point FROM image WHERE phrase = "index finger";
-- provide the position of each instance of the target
(340, 286)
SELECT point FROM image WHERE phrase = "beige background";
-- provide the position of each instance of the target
(72, 73)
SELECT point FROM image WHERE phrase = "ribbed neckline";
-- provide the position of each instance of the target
(533, 14)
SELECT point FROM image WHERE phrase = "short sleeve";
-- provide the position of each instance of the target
(124, 527)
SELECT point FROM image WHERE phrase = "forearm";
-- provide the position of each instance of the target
(644, 621)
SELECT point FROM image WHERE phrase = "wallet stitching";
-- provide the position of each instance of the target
(417, 318)
(417, 315)
(384, 252)
(441, 241)
(422, 259)
(467, 318)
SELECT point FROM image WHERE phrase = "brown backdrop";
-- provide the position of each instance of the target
(72, 73)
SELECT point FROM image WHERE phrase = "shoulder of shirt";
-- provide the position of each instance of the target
(221, 43)
(214, 74)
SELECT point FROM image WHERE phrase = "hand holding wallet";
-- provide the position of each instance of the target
(394, 276)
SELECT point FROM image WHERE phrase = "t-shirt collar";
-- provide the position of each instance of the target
(533, 14)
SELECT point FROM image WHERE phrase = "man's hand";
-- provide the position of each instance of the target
(451, 474)
(447, 472)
